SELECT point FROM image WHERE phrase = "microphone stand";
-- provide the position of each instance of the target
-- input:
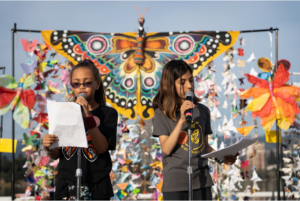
(189, 168)
(78, 173)
(79, 170)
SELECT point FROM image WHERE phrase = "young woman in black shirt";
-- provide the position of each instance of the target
(101, 126)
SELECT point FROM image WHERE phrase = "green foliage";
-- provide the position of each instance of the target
(6, 168)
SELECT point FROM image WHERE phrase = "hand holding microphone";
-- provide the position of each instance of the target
(81, 100)
(186, 108)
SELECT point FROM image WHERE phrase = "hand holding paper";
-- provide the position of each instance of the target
(232, 149)
(65, 121)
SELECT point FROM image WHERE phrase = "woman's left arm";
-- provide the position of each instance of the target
(208, 148)
(105, 138)
(99, 140)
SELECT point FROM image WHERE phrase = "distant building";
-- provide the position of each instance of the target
(259, 159)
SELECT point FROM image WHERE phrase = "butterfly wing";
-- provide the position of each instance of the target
(29, 46)
(28, 98)
(7, 81)
(6, 96)
(7, 92)
(197, 48)
(29, 80)
(90, 153)
(68, 152)
(26, 68)
(21, 115)
(113, 55)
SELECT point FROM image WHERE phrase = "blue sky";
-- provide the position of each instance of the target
(161, 17)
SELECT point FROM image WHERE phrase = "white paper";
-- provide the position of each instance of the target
(65, 121)
(232, 149)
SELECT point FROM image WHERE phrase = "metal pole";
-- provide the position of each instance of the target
(277, 128)
(243, 31)
(1, 130)
(78, 173)
(190, 169)
(13, 122)
(281, 161)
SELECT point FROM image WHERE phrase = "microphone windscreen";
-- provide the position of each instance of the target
(82, 95)
(189, 93)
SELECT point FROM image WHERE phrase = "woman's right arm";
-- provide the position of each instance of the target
(168, 143)
(49, 139)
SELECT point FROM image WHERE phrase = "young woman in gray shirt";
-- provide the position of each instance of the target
(171, 128)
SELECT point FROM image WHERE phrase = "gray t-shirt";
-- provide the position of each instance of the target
(175, 165)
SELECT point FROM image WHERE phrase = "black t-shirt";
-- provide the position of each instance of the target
(95, 167)
(175, 165)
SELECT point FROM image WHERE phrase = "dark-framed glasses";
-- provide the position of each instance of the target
(85, 84)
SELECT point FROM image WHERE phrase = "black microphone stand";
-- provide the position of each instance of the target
(190, 168)
(79, 170)
(78, 173)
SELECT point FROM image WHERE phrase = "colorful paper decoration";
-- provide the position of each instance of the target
(6, 145)
(245, 130)
(17, 97)
(273, 99)
(264, 64)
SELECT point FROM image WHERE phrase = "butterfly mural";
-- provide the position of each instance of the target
(131, 63)
(17, 97)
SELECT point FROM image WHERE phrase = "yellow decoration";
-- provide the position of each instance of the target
(159, 185)
(124, 169)
(258, 103)
(28, 148)
(271, 136)
(6, 145)
(156, 164)
(124, 193)
(127, 161)
(245, 130)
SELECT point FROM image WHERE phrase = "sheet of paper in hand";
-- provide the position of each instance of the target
(65, 121)
(232, 149)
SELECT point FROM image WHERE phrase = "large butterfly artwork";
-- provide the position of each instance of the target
(131, 63)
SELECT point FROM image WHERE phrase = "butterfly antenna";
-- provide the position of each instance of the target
(138, 10)
(145, 11)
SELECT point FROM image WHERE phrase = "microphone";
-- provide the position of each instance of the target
(82, 95)
(189, 113)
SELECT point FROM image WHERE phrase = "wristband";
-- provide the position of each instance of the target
(218, 160)
(89, 122)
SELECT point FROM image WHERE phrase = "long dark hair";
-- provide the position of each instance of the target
(99, 93)
(167, 98)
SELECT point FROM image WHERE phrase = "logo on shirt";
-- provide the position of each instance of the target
(183, 137)
(89, 153)
(196, 139)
